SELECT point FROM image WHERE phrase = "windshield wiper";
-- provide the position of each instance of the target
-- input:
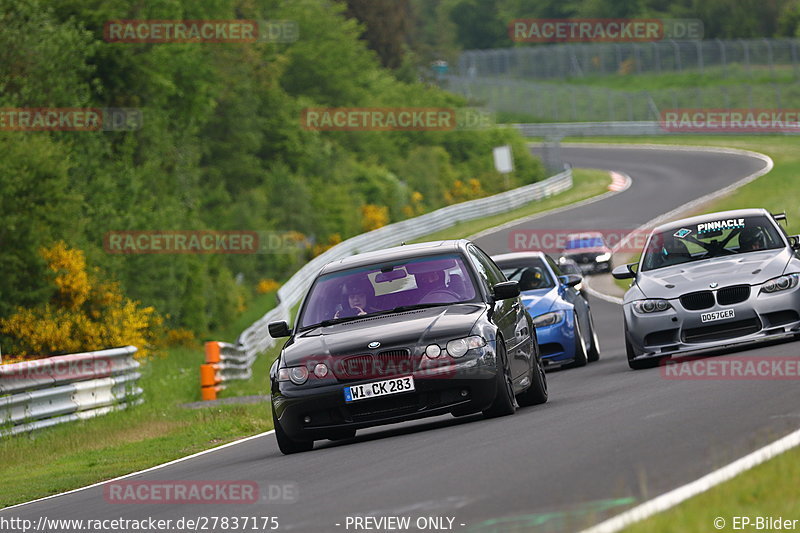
(416, 306)
(332, 321)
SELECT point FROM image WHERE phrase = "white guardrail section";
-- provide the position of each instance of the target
(45, 392)
(558, 130)
(256, 339)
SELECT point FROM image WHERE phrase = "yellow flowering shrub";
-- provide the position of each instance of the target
(333, 240)
(267, 285)
(85, 314)
(374, 216)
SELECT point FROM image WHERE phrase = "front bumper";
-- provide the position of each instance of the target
(319, 412)
(762, 317)
(557, 342)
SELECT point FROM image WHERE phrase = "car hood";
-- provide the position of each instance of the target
(751, 268)
(399, 330)
(539, 301)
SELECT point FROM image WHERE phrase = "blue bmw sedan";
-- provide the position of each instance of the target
(561, 314)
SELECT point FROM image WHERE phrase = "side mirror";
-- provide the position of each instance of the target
(506, 290)
(571, 280)
(794, 242)
(279, 329)
(624, 271)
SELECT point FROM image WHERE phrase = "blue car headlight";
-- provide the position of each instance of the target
(548, 319)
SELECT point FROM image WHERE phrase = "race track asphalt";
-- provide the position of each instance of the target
(608, 438)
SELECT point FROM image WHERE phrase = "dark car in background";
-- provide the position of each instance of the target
(589, 251)
(561, 315)
(403, 333)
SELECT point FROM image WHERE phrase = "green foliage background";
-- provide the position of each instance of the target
(221, 147)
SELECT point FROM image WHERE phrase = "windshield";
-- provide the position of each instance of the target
(387, 287)
(531, 274)
(576, 242)
(714, 238)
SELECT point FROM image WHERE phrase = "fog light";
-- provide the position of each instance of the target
(321, 370)
(433, 351)
(307, 420)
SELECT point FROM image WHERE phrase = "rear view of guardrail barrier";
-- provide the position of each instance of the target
(256, 338)
(65, 388)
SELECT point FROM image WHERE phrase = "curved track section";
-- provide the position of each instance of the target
(608, 438)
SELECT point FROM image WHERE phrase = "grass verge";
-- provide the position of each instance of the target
(160, 430)
(768, 490)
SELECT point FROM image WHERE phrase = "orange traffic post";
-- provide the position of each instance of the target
(212, 352)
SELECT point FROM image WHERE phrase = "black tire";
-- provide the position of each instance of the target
(642, 364)
(286, 445)
(537, 392)
(594, 351)
(580, 348)
(504, 401)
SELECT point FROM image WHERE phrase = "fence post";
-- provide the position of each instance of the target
(770, 58)
(724, 57)
(746, 48)
(699, 47)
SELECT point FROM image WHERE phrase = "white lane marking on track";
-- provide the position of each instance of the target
(157, 467)
(676, 496)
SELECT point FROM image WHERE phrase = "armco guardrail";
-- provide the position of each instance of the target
(256, 338)
(64, 388)
(224, 362)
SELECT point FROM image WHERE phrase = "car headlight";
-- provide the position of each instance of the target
(603, 257)
(548, 319)
(296, 374)
(651, 306)
(459, 347)
(781, 284)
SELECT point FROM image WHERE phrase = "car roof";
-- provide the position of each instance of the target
(500, 258)
(699, 219)
(583, 234)
(397, 253)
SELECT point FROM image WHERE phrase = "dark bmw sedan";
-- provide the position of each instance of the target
(399, 334)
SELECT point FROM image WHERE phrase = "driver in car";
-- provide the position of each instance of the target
(429, 283)
(752, 238)
(358, 297)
